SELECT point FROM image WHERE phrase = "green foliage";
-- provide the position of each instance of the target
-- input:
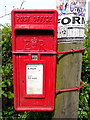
(6, 62)
(7, 82)
(84, 109)
(7, 90)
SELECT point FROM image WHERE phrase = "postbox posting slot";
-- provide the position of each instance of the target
(34, 41)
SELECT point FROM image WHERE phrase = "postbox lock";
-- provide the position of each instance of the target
(22, 81)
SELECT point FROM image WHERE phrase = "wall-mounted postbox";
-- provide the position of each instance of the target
(34, 35)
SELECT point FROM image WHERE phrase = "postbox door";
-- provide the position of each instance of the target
(37, 82)
(31, 77)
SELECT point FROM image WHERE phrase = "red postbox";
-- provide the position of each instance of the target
(34, 36)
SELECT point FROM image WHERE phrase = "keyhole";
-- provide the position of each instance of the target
(22, 81)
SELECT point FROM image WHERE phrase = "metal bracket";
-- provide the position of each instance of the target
(71, 89)
(70, 51)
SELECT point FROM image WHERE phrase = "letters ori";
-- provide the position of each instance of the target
(73, 20)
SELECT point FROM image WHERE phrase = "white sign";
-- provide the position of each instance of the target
(70, 32)
(71, 26)
(71, 20)
(34, 79)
